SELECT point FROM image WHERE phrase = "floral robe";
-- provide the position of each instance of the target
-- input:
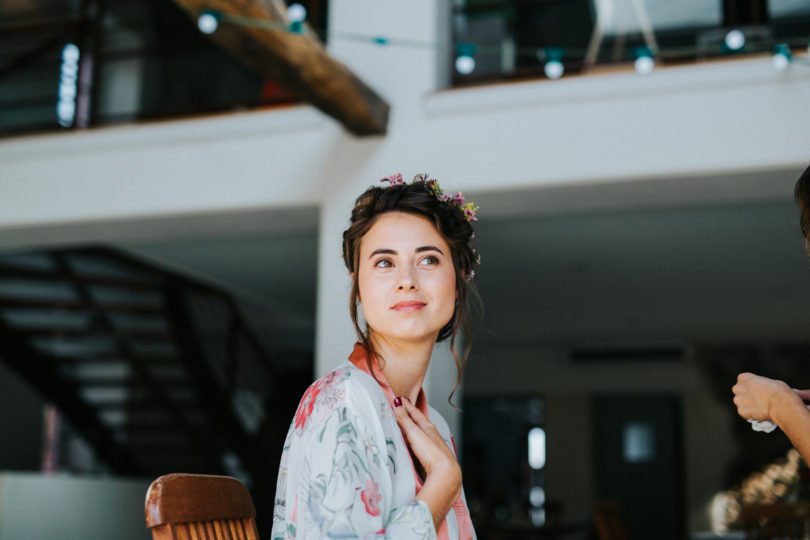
(345, 468)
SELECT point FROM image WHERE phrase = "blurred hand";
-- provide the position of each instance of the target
(755, 396)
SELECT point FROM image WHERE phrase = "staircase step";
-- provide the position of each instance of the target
(102, 359)
(7, 270)
(76, 305)
(151, 335)
(185, 399)
(127, 382)
(157, 444)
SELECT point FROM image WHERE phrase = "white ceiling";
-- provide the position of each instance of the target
(683, 260)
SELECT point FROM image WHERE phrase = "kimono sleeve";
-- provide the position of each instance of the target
(344, 487)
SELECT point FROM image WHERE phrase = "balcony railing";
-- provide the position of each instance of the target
(509, 39)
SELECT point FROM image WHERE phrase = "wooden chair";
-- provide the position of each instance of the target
(778, 520)
(200, 507)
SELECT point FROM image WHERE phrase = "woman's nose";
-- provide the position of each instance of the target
(407, 279)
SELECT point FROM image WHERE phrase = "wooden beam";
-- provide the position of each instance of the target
(297, 61)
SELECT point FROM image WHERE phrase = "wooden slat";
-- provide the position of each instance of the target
(182, 532)
(298, 61)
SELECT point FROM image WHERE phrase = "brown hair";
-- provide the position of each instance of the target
(449, 220)
(802, 195)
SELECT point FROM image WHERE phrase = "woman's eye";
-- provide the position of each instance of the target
(384, 263)
(429, 260)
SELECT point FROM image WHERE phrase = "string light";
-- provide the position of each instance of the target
(297, 15)
(465, 61)
(68, 80)
(644, 63)
(781, 57)
(735, 40)
(208, 21)
(465, 64)
(553, 66)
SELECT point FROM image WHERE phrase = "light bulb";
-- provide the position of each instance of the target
(780, 62)
(735, 40)
(781, 57)
(465, 64)
(207, 23)
(296, 13)
(554, 69)
(70, 53)
(644, 64)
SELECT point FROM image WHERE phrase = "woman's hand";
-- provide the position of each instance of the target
(761, 398)
(443, 474)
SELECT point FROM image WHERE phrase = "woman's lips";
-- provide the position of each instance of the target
(408, 306)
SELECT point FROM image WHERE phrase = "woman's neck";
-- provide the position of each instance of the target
(404, 364)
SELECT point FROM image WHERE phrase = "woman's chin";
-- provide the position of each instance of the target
(410, 335)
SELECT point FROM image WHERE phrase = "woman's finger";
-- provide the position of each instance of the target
(413, 432)
(418, 416)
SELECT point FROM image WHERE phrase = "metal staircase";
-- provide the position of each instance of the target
(157, 372)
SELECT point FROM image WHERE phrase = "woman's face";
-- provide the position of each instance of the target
(406, 278)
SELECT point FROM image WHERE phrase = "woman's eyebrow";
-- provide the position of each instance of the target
(428, 248)
(382, 251)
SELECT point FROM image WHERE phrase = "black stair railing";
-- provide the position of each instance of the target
(159, 372)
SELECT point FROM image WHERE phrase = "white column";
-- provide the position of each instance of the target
(402, 75)
(440, 380)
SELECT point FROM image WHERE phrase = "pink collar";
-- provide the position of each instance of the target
(358, 358)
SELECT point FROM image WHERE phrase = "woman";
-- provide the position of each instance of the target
(761, 398)
(365, 456)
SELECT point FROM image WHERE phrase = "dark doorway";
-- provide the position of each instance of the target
(638, 462)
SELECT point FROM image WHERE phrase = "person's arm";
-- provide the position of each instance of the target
(761, 398)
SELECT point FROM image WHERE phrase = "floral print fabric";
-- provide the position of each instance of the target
(345, 469)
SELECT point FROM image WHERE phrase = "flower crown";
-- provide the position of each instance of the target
(468, 208)
(432, 185)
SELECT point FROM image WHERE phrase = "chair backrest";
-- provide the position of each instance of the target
(778, 520)
(200, 507)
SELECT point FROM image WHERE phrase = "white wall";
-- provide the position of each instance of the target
(34, 507)
(692, 120)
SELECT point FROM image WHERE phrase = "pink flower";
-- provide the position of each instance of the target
(393, 179)
(306, 405)
(371, 498)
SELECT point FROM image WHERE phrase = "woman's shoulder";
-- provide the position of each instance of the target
(346, 386)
